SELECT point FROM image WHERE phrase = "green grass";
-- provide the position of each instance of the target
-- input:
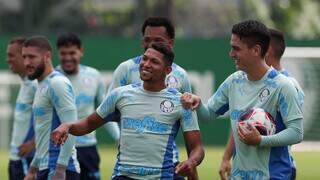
(307, 163)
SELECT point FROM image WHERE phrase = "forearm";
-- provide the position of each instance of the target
(204, 113)
(229, 149)
(113, 130)
(86, 125)
(196, 155)
(293, 134)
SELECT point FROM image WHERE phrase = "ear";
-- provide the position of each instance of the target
(171, 43)
(47, 55)
(256, 50)
(168, 69)
(82, 51)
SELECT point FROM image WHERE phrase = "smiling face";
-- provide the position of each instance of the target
(14, 58)
(245, 57)
(153, 68)
(156, 34)
(69, 57)
(34, 61)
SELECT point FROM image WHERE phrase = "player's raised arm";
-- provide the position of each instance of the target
(79, 128)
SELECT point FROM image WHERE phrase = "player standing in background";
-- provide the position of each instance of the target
(276, 49)
(154, 29)
(255, 85)
(54, 103)
(22, 144)
(146, 142)
(90, 90)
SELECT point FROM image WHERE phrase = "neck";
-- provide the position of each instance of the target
(258, 72)
(48, 70)
(275, 63)
(154, 87)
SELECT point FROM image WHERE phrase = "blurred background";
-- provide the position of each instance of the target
(111, 33)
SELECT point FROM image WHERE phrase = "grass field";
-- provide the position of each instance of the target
(307, 163)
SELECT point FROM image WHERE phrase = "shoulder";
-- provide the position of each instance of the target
(178, 69)
(57, 79)
(89, 70)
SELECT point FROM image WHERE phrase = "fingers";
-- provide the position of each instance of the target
(59, 137)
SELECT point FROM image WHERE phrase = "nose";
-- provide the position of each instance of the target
(231, 53)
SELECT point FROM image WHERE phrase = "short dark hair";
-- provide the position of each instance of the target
(164, 49)
(277, 42)
(253, 32)
(157, 22)
(68, 39)
(40, 42)
(18, 40)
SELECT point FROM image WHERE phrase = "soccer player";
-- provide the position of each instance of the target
(273, 57)
(150, 117)
(255, 85)
(89, 90)
(22, 143)
(154, 29)
(54, 103)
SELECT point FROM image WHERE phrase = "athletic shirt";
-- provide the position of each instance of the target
(275, 94)
(90, 90)
(128, 72)
(54, 104)
(23, 120)
(149, 124)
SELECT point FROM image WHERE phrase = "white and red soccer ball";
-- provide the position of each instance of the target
(260, 119)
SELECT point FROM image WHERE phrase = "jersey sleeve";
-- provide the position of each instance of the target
(107, 109)
(63, 100)
(218, 104)
(101, 90)
(186, 85)
(189, 120)
(119, 77)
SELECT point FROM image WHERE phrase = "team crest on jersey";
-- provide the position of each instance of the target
(264, 94)
(86, 81)
(166, 106)
(172, 82)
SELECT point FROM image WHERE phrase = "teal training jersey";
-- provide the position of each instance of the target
(23, 120)
(149, 124)
(90, 90)
(128, 72)
(54, 103)
(275, 94)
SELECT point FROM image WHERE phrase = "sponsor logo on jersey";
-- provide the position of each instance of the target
(172, 82)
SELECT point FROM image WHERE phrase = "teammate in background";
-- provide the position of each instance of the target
(90, 90)
(255, 85)
(22, 144)
(154, 29)
(54, 103)
(146, 142)
(273, 57)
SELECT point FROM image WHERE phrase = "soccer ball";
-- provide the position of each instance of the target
(260, 119)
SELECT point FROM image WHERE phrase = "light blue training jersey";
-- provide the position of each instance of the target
(128, 73)
(90, 90)
(275, 94)
(54, 103)
(149, 125)
(23, 120)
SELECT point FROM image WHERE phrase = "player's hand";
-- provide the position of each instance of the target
(26, 148)
(186, 168)
(225, 169)
(59, 173)
(248, 134)
(190, 101)
(32, 174)
(60, 134)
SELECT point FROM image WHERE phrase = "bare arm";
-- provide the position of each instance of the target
(79, 128)
(225, 166)
(196, 154)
